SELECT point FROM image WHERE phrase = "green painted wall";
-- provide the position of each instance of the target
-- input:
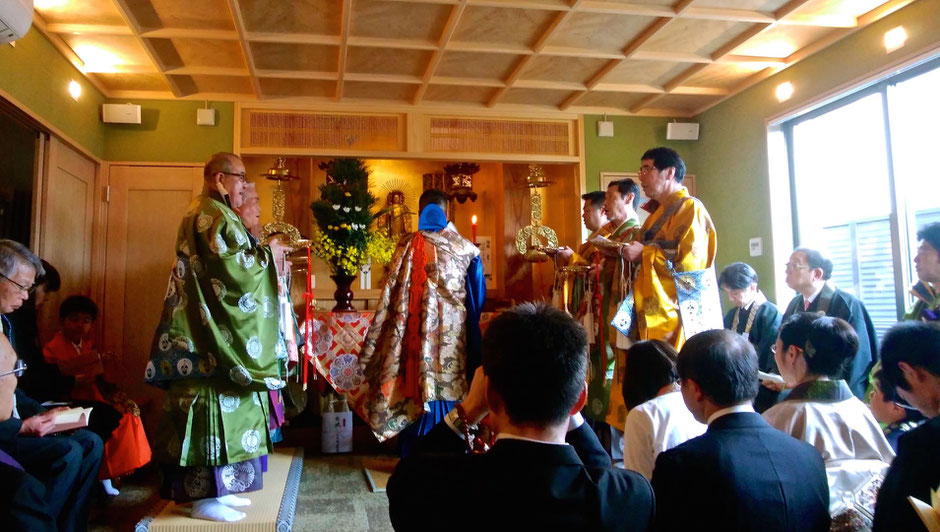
(37, 75)
(168, 132)
(633, 135)
(731, 159)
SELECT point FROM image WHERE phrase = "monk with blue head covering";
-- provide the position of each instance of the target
(424, 343)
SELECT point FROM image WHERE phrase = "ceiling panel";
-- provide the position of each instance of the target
(723, 75)
(209, 52)
(134, 82)
(387, 61)
(540, 97)
(66, 12)
(299, 57)
(474, 65)
(379, 91)
(616, 100)
(695, 36)
(108, 53)
(319, 17)
(399, 20)
(297, 88)
(555, 68)
(520, 27)
(655, 73)
(600, 31)
(188, 14)
(457, 93)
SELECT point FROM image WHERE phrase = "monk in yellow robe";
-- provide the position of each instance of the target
(675, 290)
(579, 284)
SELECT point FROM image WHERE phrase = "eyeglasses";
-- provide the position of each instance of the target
(241, 176)
(645, 170)
(18, 369)
(790, 266)
(27, 289)
(773, 349)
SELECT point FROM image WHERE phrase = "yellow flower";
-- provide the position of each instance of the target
(347, 194)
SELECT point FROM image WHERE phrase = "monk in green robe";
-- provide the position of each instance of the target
(217, 351)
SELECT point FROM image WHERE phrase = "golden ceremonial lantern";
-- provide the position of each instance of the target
(533, 239)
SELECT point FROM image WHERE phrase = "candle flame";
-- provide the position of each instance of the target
(473, 220)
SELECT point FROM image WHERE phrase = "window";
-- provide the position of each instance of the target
(864, 178)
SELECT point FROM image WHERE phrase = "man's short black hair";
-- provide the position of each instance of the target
(50, 278)
(828, 343)
(650, 365)
(723, 364)
(816, 259)
(664, 158)
(535, 357)
(595, 198)
(737, 276)
(916, 343)
(627, 186)
(78, 305)
(930, 233)
(432, 196)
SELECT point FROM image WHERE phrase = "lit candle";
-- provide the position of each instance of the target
(473, 225)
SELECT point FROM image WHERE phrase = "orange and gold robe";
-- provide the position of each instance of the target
(678, 237)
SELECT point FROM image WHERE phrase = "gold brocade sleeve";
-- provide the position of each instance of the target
(690, 242)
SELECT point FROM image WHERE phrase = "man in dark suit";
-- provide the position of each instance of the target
(742, 474)
(532, 384)
(911, 362)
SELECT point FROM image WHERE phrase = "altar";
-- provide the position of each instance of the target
(335, 345)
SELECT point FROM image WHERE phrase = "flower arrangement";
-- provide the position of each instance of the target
(344, 238)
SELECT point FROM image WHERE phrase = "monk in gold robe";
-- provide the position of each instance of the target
(675, 290)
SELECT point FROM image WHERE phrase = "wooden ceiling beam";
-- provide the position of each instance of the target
(92, 29)
(239, 22)
(179, 33)
(293, 38)
(128, 15)
(467, 82)
(398, 44)
(487, 48)
(345, 26)
(383, 78)
(543, 39)
(208, 71)
(297, 74)
(446, 34)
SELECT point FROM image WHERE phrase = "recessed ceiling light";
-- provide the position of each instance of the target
(784, 91)
(75, 89)
(895, 38)
(97, 59)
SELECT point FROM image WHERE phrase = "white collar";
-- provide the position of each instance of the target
(504, 436)
(810, 299)
(736, 409)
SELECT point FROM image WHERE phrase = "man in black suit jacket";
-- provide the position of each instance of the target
(532, 384)
(911, 362)
(742, 474)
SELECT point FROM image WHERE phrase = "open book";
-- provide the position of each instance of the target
(73, 418)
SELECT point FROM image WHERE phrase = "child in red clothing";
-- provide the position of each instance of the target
(114, 417)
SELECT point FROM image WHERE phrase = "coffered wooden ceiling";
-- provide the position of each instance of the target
(647, 57)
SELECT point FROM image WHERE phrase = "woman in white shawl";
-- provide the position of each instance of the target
(810, 351)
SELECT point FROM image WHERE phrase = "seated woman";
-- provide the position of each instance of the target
(658, 418)
(115, 418)
(811, 350)
(890, 410)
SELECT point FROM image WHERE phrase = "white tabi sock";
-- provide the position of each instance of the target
(213, 510)
(234, 501)
(109, 488)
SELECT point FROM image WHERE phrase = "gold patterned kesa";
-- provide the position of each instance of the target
(690, 232)
(385, 400)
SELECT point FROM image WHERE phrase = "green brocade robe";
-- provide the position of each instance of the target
(217, 349)
(605, 377)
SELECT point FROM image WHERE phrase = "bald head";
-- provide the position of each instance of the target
(225, 171)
